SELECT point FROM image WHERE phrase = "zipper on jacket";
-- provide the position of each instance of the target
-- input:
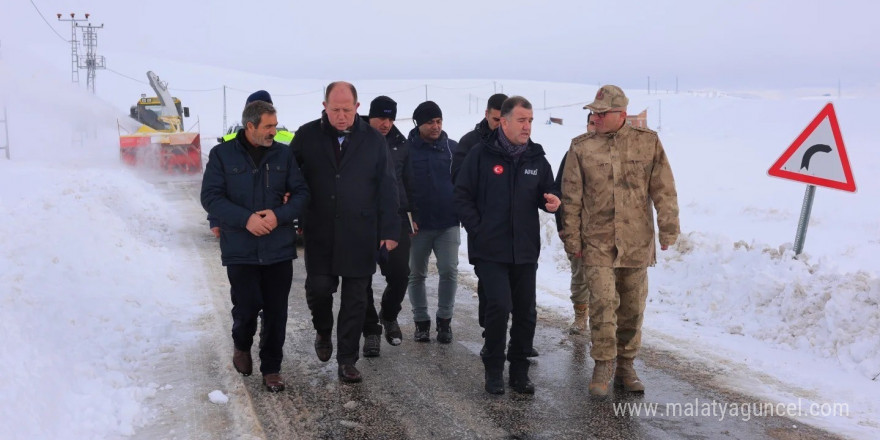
(516, 167)
(267, 174)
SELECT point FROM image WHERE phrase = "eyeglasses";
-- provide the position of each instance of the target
(603, 114)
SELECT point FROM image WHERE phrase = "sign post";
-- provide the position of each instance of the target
(818, 158)
(801, 235)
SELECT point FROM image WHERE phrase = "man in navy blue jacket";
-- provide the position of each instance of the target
(499, 189)
(430, 153)
(243, 188)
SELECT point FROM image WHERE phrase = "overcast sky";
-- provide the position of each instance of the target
(704, 43)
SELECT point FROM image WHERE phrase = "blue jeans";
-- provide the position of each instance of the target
(444, 243)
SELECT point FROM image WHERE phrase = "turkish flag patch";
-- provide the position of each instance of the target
(498, 169)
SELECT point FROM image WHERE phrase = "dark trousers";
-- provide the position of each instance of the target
(509, 289)
(481, 303)
(353, 302)
(265, 288)
(396, 272)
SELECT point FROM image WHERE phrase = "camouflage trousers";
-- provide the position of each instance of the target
(617, 307)
(579, 292)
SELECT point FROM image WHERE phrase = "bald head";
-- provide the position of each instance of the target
(340, 103)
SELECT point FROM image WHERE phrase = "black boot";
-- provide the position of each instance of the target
(423, 331)
(444, 332)
(519, 377)
(495, 380)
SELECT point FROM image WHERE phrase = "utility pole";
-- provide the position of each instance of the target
(74, 57)
(659, 114)
(5, 130)
(5, 123)
(426, 92)
(92, 60)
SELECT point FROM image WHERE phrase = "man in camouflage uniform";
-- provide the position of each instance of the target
(611, 179)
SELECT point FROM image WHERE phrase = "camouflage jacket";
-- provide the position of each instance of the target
(609, 184)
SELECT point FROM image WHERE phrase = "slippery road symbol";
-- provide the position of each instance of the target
(805, 162)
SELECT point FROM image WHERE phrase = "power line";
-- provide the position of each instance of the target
(460, 88)
(198, 90)
(303, 93)
(126, 76)
(176, 88)
(47, 22)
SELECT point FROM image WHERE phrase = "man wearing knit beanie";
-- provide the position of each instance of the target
(259, 95)
(383, 107)
(395, 263)
(437, 230)
(425, 112)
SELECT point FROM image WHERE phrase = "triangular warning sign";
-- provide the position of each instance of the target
(817, 156)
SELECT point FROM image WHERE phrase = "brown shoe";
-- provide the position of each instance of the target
(273, 381)
(242, 362)
(600, 384)
(324, 346)
(625, 377)
(349, 374)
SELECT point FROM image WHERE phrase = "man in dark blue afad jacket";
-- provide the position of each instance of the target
(395, 267)
(437, 230)
(243, 189)
(500, 187)
(352, 218)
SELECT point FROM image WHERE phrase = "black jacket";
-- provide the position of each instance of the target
(480, 133)
(497, 200)
(399, 150)
(432, 180)
(354, 203)
(234, 187)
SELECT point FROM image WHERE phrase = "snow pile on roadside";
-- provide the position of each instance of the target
(91, 293)
(763, 292)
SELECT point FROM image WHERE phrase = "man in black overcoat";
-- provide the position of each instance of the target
(350, 221)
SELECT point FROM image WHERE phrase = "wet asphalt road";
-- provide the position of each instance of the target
(432, 390)
(435, 391)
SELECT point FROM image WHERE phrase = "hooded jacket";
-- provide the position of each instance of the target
(471, 139)
(432, 180)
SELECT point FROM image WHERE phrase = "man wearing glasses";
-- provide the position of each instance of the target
(611, 179)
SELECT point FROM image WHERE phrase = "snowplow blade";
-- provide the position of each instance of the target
(173, 153)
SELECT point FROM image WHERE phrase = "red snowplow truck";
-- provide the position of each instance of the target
(161, 142)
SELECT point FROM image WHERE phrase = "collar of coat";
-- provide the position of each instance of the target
(483, 128)
(493, 145)
(329, 129)
(622, 131)
(394, 137)
(416, 140)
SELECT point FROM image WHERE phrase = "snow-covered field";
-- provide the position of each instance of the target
(91, 253)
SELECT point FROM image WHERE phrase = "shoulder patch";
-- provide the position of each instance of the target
(582, 138)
